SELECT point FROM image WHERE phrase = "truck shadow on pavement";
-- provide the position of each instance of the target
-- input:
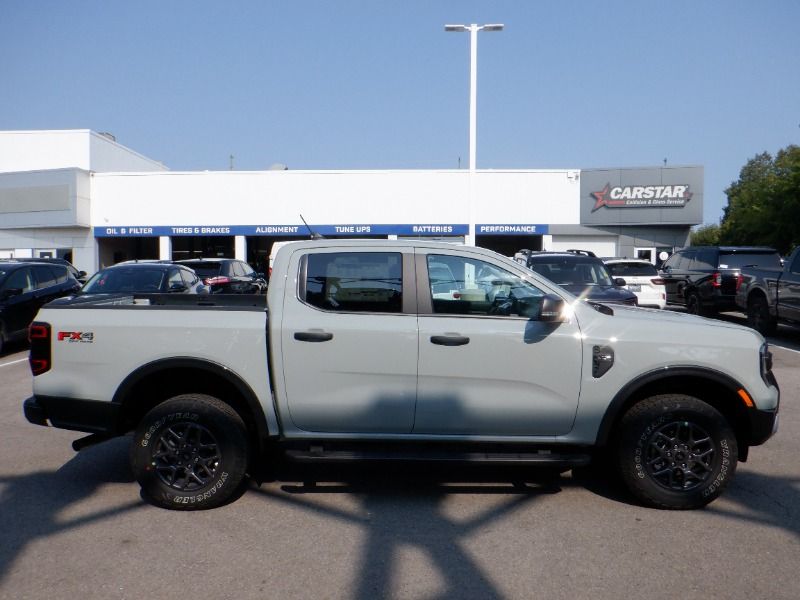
(33, 505)
(403, 507)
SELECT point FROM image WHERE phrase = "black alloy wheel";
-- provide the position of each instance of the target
(679, 455)
(758, 316)
(186, 457)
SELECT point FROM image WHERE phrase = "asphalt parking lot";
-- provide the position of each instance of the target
(73, 525)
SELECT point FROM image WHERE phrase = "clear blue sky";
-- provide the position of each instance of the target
(373, 85)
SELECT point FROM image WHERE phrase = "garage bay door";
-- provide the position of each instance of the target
(600, 245)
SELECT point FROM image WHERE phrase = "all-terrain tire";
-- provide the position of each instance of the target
(190, 453)
(695, 307)
(758, 316)
(676, 452)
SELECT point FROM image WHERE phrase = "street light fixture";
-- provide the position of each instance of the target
(473, 30)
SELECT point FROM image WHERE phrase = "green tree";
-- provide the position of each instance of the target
(707, 235)
(764, 204)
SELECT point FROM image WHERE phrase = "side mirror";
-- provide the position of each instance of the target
(619, 281)
(81, 273)
(552, 309)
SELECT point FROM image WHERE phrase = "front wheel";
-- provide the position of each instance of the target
(190, 453)
(676, 452)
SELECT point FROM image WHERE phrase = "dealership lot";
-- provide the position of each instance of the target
(74, 525)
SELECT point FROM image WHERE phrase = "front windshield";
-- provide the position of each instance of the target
(118, 280)
(569, 270)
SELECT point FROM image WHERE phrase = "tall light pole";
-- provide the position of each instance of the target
(473, 110)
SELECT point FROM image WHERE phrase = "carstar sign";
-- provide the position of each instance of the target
(642, 196)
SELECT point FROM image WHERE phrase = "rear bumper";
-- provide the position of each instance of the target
(91, 416)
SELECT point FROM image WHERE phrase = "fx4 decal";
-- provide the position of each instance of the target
(76, 336)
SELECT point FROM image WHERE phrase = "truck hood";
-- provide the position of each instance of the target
(665, 318)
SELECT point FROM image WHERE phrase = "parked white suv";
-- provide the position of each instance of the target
(641, 278)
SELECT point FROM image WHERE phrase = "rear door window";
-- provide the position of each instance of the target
(705, 259)
(674, 261)
(19, 279)
(175, 280)
(45, 277)
(631, 269)
(206, 269)
(355, 281)
(188, 277)
(737, 260)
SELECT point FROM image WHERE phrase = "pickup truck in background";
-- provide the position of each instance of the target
(402, 350)
(705, 279)
(771, 296)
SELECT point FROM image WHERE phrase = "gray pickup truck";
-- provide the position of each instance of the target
(771, 296)
(397, 350)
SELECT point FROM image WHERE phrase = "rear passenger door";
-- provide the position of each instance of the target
(348, 341)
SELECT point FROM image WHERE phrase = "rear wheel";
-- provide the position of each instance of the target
(676, 452)
(758, 316)
(695, 307)
(190, 453)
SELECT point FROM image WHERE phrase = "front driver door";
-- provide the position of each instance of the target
(487, 366)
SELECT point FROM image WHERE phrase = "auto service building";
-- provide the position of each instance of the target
(81, 195)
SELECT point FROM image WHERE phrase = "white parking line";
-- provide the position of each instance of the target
(13, 362)
(784, 348)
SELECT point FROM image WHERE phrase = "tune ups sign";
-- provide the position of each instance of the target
(668, 195)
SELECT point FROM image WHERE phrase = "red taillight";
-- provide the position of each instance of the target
(716, 280)
(38, 331)
(739, 280)
(657, 281)
(220, 280)
(39, 336)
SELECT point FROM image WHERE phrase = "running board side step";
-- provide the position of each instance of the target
(317, 454)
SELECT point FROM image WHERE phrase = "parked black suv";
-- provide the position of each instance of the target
(145, 277)
(705, 278)
(24, 288)
(579, 272)
(81, 276)
(227, 275)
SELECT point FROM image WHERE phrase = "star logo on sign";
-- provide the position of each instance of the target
(600, 197)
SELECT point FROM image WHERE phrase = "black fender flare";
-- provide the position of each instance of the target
(619, 402)
(216, 369)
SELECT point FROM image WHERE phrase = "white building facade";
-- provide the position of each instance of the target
(78, 194)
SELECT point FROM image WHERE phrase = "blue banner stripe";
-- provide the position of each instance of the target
(300, 230)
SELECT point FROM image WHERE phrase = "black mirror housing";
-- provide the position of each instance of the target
(552, 309)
